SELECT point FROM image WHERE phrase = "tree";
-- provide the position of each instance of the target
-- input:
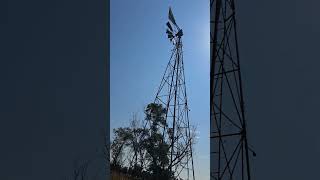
(121, 137)
(156, 145)
(144, 150)
(127, 148)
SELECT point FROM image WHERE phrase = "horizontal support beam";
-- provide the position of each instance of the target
(226, 135)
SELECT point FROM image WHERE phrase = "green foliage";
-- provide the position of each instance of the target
(148, 149)
(155, 113)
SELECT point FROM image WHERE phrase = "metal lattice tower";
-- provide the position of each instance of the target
(173, 96)
(229, 156)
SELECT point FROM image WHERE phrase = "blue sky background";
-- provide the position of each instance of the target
(53, 93)
(140, 52)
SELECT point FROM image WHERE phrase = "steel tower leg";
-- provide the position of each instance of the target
(229, 157)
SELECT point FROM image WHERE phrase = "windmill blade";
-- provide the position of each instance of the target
(180, 33)
(169, 26)
(170, 35)
(169, 32)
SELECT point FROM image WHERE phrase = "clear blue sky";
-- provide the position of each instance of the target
(139, 53)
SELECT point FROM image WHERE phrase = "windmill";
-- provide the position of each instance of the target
(229, 149)
(173, 96)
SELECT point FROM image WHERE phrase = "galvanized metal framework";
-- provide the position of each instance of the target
(173, 96)
(229, 150)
